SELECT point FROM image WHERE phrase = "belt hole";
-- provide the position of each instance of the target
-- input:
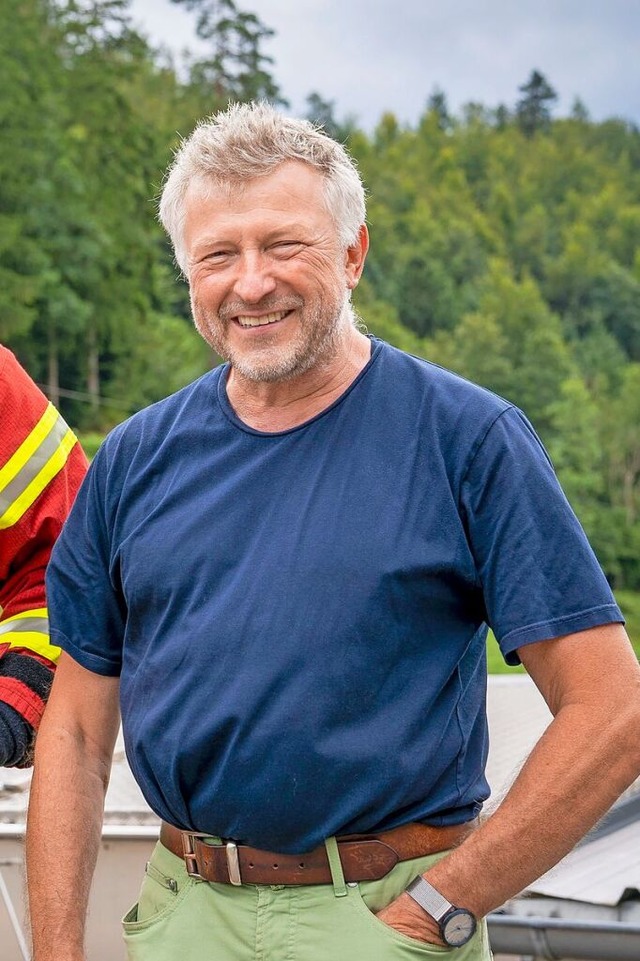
(250, 864)
(301, 865)
(275, 866)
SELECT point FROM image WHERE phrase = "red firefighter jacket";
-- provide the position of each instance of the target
(41, 467)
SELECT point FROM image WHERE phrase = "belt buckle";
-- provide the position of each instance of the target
(233, 863)
(189, 853)
(191, 857)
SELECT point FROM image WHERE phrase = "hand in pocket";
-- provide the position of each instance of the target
(408, 918)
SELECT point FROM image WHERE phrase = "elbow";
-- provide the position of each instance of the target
(626, 735)
(635, 735)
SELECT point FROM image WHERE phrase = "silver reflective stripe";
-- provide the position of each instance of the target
(24, 624)
(34, 465)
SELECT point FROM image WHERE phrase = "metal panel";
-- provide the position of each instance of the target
(599, 872)
(555, 939)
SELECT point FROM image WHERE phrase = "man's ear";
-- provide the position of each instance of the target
(356, 256)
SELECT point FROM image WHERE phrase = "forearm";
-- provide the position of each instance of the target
(589, 754)
(577, 770)
(71, 772)
(64, 824)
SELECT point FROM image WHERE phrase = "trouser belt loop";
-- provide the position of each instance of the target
(335, 866)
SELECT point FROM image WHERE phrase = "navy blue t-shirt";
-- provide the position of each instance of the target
(299, 618)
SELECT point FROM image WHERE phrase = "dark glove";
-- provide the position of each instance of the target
(15, 736)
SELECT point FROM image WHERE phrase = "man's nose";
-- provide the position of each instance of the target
(255, 278)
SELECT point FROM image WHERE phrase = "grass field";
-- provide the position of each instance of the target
(629, 602)
(90, 443)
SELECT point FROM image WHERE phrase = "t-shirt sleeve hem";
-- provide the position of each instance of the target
(92, 662)
(568, 624)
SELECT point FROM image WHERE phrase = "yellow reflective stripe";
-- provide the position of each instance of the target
(15, 510)
(28, 447)
(34, 612)
(33, 640)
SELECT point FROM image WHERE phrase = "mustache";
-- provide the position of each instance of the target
(268, 305)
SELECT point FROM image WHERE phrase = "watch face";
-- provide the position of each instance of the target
(458, 927)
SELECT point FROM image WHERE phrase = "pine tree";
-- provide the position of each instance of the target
(533, 110)
(437, 105)
(236, 68)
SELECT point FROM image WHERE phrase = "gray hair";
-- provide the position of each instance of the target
(251, 140)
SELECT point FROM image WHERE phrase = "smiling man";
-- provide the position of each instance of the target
(268, 285)
(284, 576)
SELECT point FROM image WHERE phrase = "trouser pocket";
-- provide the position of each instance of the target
(164, 887)
(369, 897)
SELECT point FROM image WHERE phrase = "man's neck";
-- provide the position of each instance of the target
(281, 405)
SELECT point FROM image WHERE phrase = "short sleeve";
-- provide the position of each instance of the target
(86, 607)
(539, 575)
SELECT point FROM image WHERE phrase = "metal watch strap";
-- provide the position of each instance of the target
(428, 898)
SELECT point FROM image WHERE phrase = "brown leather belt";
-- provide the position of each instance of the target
(364, 857)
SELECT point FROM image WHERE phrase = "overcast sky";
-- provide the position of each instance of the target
(375, 55)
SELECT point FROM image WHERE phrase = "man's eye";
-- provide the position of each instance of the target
(286, 246)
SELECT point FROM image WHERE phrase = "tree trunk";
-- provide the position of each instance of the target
(93, 370)
(53, 371)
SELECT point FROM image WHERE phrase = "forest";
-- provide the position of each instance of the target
(505, 242)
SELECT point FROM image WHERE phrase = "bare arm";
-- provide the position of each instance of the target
(587, 756)
(71, 772)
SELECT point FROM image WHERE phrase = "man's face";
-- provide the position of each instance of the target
(269, 280)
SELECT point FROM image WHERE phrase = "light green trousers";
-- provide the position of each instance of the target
(181, 919)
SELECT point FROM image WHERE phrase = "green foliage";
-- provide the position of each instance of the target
(437, 106)
(496, 663)
(381, 321)
(90, 442)
(180, 357)
(515, 260)
(532, 111)
(236, 68)
(30, 161)
(322, 113)
(90, 113)
(629, 602)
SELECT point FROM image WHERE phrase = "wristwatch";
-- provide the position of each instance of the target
(457, 925)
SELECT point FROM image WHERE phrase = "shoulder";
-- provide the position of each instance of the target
(145, 431)
(13, 376)
(5, 357)
(22, 404)
(418, 374)
(449, 407)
